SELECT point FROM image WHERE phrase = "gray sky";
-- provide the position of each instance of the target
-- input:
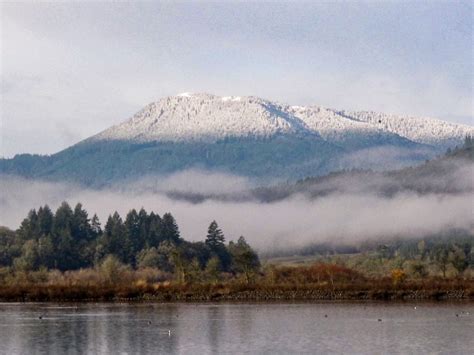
(70, 70)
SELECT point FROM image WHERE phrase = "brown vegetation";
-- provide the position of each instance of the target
(320, 281)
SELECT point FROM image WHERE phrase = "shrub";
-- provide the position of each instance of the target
(398, 276)
(112, 270)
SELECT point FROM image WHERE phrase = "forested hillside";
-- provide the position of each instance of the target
(245, 136)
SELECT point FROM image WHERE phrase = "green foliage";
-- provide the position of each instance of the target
(459, 258)
(69, 240)
(114, 240)
(149, 258)
(169, 230)
(215, 240)
(418, 269)
(10, 246)
(100, 163)
(449, 255)
(213, 270)
(111, 269)
(194, 274)
(29, 257)
(244, 259)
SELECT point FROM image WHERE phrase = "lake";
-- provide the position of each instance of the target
(271, 328)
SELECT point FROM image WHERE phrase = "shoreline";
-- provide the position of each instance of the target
(225, 294)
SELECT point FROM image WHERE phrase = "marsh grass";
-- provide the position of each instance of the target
(320, 281)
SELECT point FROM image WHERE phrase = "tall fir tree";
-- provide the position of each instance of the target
(154, 236)
(81, 228)
(215, 241)
(169, 229)
(133, 237)
(45, 220)
(29, 228)
(95, 226)
(62, 238)
(143, 226)
(114, 239)
(215, 238)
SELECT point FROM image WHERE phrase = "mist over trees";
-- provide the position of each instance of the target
(69, 239)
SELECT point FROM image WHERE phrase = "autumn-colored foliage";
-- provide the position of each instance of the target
(319, 281)
(316, 274)
(398, 276)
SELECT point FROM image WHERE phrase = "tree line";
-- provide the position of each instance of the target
(68, 240)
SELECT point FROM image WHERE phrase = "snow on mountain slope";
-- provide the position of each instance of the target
(329, 124)
(204, 117)
(418, 129)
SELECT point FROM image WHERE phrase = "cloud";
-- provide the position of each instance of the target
(344, 215)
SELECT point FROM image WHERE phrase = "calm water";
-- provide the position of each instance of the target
(284, 328)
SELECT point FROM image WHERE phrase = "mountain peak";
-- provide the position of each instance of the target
(206, 117)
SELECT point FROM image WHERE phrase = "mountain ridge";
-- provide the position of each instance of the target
(240, 135)
(206, 117)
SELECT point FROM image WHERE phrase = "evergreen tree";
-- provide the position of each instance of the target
(144, 227)
(45, 220)
(215, 241)
(68, 240)
(29, 228)
(81, 228)
(62, 239)
(45, 249)
(95, 227)
(197, 250)
(63, 219)
(215, 238)
(169, 229)
(244, 259)
(114, 240)
(134, 237)
(154, 235)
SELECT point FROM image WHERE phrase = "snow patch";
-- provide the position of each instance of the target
(204, 117)
(185, 94)
(231, 98)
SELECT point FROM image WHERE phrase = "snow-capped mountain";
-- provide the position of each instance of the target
(203, 117)
(246, 136)
(207, 118)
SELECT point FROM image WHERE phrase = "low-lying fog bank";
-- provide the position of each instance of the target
(340, 209)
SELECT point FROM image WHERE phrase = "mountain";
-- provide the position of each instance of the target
(209, 118)
(449, 174)
(242, 135)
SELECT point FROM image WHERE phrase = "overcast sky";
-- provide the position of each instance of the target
(71, 70)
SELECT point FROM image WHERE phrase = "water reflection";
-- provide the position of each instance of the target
(235, 328)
